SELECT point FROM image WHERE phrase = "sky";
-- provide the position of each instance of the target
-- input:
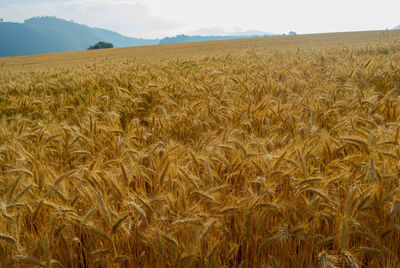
(160, 18)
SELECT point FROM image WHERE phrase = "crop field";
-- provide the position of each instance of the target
(269, 152)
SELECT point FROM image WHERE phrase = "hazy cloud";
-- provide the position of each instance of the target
(130, 18)
(126, 17)
(159, 18)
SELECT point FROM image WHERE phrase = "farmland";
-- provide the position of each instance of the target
(267, 152)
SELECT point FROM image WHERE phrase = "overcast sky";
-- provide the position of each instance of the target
(160, 18)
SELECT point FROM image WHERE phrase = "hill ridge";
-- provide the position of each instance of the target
(50, 34)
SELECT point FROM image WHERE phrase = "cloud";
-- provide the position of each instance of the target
(126, 17)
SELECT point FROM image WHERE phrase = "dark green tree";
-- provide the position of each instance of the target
(100, 45)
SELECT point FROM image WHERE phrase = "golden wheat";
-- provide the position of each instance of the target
(284, 155)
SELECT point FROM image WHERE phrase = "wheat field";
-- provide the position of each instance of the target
(247, 153)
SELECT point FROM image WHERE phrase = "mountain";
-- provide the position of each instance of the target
(397, 28)
(252, 33)
(197, 38)
(50, 34)
(218, 31)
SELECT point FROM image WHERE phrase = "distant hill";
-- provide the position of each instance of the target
(397, 27)
(49, 34)
(252, 33)
(197, 38)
